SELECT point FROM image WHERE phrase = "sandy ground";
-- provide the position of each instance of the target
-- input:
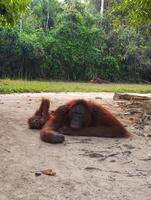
(86, 168)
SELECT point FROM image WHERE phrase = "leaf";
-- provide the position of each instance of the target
(48, 172)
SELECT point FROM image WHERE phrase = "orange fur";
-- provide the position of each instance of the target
(101, 123)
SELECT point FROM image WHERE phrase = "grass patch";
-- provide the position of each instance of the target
(20, 86)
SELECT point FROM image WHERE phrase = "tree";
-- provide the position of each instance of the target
(42, 15)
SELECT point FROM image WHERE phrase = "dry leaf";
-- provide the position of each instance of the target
(48, 172)
(148, 135)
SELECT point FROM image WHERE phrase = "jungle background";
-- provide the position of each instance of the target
(75, 41)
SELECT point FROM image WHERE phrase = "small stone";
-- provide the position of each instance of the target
(37, 173)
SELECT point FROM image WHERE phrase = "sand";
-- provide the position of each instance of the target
(86, 168)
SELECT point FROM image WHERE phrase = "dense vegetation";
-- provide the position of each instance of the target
(70, 41)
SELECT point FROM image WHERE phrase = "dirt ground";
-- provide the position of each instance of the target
(86, 168)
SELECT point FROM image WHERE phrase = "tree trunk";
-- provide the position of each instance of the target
(102, 8)
(48, 16)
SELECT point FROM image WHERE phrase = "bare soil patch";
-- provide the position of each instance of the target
(84, 168)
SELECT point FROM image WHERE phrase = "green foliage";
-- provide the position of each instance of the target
(137, 12)
(18, 53)
(42, 14)
(70, 41)
(75, 44)
(11, 10)
(130, 49)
